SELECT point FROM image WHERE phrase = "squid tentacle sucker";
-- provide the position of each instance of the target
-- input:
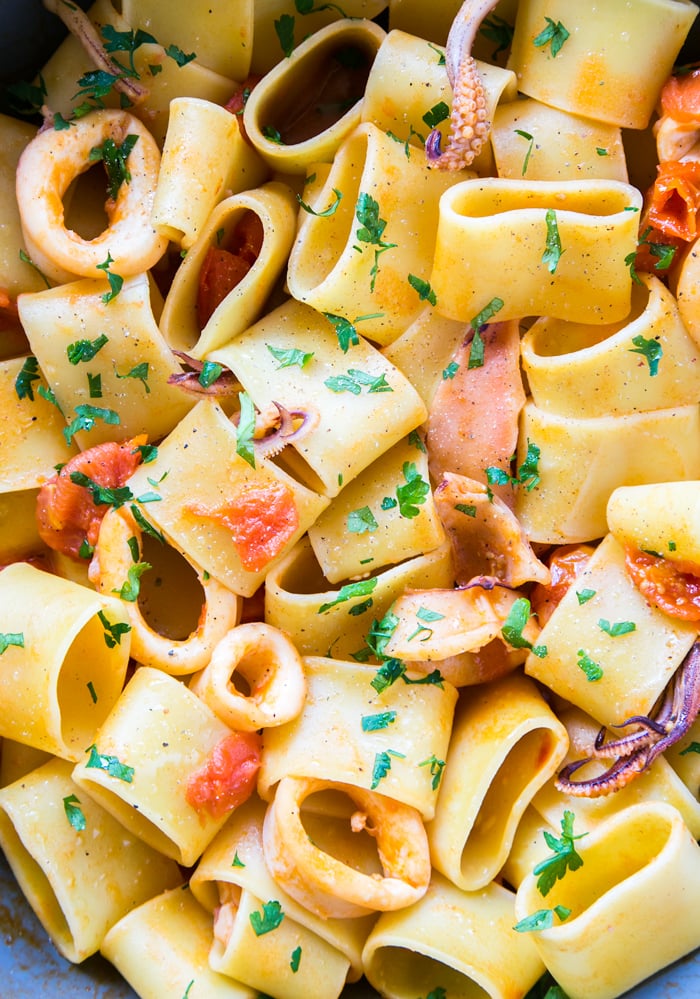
(634, 753)
(469, 124)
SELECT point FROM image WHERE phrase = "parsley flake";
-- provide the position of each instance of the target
(85, 420)
(362, 521)
(450, 371)
(74, 813)
(85, 350)
(92, 691)
(543, 919)
(268, 920)
(113, 632)
(438, 112)
(180, 57)
(436, 768)
(583, 596)
(425, 292)
(617, 629)
(553, 251)
(692, 747)
(554, 35)
(327, 212)
(499, 31)
(468, 509)
(246, 429)
(295, 959)
(371, 230)
(528, 154)
(290, 357)
(237, 862)
(592, 669)
(413, 493)
(515, 624)
(110, 764)
(564, 857)
(28, 373)
(349, 591)
(26, 259)
(382, 765)
(114, 158)
(284, 29)
(8, 638)
(650, 349)
(129, 589)
(139, 372)
(376, 722)
(115, 281)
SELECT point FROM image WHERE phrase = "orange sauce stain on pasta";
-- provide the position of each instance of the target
(66, 512)
(228, 776)
(261, 518)
(225, 267)
(565, 564)
(673, 587)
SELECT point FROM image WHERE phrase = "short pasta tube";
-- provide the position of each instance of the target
(157, 637)
(292, 129)
(613, 654)
(163, 947)
(235, 859)
(506, 743)
(663, 518)
(331, 885)
(462, 942)
(166, 767)
(620, 83)
(386, 206)
(70, 646)
(554, 248)
(643, 853)
(358, 729)
(268, 213)
(60, 844)
(272, 672)
(129, 244)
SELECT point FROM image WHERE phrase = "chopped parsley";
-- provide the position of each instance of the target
(552, 247)
(268, 920)
(180, 57)
(382, 765)
(139, 372)
(290, 357)
(295, 959)
(592, 669)
(650, 349)
(85, 350)
(415, 440)
(692, 747)
(92, 691)
(85, 420)
(94, 385)
(528, 472)
(113, 632)
(74, 813)
(371, 230)
(115, 281)
(553, 34)
(468, 509)
(450, 371)
(617, 629)
(476, 353)
(146, 525)
(345, 331)
(499, 31)
(425, 614)
(543, 919)
(349, 591)
(114, 158)
(129, 589)
(246, 429)
(237, 862)
(110, 764)
(373, 723)
(414, 491)
(436, 768)
(362, 521)
(355, 380)
(438, 52)
(327, 212)
(26, 259)
(209, 373)
(564, 856)
(438, 113)
(583, 596)
(125, 41)
(28, 373)
(425, 292)
(284, 29)
(515, 624)
(8, 638)
(528, 154)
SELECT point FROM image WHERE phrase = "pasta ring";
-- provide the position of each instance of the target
(271, 665)
(326, 885)
(220, 611)
(48, 165)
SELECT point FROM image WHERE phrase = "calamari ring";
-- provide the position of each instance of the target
(48, 165)
(324, 884)
(269, 662)
(109, 570)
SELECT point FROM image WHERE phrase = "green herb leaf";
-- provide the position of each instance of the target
(26, 98)
(650, 349)
(85, 420)
(515, 624)
(8, 638)
(237, 862)
(437, 113)
(145, 524)
(438, 52)
(528, 472)
(692, 747)
(28, 373)
(92, 691)
(113, 632)
(436, 768)
(115, 281)
(94, 385)
(554, 35)
(74, 813)
(413, 493)
(362, 521)
(528, 154)
(209, 373)
(180, 57)
(617, 629)
(380, 633)
(543, 919)
(592, 669)
(583, 596)
(290, 357)
(85, 350)
(268, 920)
(129, 590)
(271, 133)
(425, 292)
(382, 765)
(371, 229)
(284, 28)
(344, 330)
(114, 158)
(110, 764)
(27, 260)
(452, 368)
(246, 429)
(468, 509)
(295, 959)
(349, 591)
(553, 251)
(387, 674)
(564, 857)
(373, 723)
(499, 31)
(327, 212)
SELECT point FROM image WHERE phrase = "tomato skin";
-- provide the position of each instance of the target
(225, 267)
(237, 101)
(674, 200)
(673, 587)
(565, 564)
(228, 776)
(680, 97)
(66, 513)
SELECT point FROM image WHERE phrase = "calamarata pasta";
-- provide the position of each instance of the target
(350, 496)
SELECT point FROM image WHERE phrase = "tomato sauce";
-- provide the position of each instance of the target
(565, 565)
(673, 587)
(228, 776)
(225, 266)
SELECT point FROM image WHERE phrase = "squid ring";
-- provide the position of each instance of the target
(109, 570)
(326, 885)
(273, 669)
(47, 167)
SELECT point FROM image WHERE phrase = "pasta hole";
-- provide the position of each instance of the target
(170, 594)
(84, 203)
(406, 972)
(326, 820)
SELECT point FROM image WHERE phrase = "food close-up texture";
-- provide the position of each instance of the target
(350, 499)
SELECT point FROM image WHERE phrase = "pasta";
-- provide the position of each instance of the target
(349, 496)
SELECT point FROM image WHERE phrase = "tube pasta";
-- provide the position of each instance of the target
(45, 170)
(609, 86)
(353, 428)
(327, 885)
(674, 528)
(582, 461)
(163, 945)
(460, 941)
(293, 598)
(395, 740)
(131, 364)
(494, 234)
(271, 667)
(439, 337)
(235, 858)
(589, 371)
(301, 136)
(19, 535)
(506, 743)
(275, 206)
(71, 674)
(326, 271)
(57, 863)
(635, 662)
(644, 852)
(110, 572)
(162, 734)
(15, 275)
